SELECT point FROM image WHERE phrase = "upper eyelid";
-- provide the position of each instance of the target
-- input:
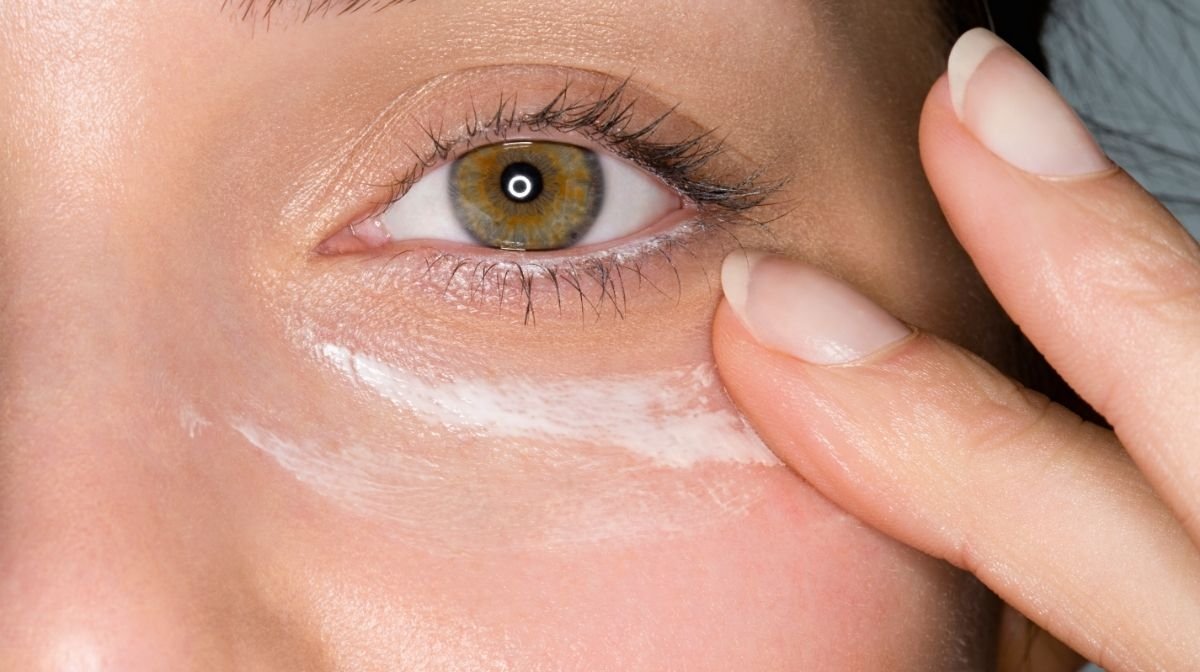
(440, 119)
(607, 120)
(385, 143)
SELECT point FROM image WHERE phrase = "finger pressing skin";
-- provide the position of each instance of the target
(936, 448)
(1100, 277)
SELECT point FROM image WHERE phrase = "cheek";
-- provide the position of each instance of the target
(784, 582)
(396, 511)
(482, 495)
(452, 462)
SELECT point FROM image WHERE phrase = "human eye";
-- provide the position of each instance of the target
(574, 194)
(531, 195)
(561, 345)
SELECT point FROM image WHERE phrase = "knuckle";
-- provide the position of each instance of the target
(1008, 415)
(1036, 440)
(1151, 269)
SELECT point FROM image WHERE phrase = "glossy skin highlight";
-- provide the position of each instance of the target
(159, 285)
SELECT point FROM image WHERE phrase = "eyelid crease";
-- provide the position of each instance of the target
(262, 10)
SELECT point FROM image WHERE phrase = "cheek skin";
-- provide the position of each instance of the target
(528, 555)
(490, 553)
(457, 461)
(638, 604)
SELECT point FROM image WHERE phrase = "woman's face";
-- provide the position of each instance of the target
(237, 433)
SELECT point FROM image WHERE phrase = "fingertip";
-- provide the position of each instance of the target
(735, 279)
(939, 97)
(968, 54)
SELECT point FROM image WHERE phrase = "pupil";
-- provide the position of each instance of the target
(521, 182)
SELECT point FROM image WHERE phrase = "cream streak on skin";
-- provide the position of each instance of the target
(677, 418)
(492, 496)
(478, 466)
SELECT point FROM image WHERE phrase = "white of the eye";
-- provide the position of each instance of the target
(426, 212)
(520, 186)
(632, 200)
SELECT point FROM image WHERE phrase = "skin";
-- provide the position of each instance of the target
(169, 170)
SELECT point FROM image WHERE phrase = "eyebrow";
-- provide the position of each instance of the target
(261, 10)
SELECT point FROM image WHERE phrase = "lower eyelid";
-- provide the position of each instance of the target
(639, 278)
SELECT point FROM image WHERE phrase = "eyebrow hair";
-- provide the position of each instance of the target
(261, 10)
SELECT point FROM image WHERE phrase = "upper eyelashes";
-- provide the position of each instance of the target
(609, 121)
(540, 195)
(578, 204)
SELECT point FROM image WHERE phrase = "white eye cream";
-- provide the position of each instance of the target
(192, 422)
(471, 465)
(675, 418)
(485, 497)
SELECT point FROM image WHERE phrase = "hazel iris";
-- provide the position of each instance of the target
(527, 195)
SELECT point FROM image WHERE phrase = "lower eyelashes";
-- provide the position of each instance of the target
(647, 279)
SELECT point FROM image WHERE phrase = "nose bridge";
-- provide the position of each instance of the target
(104, 539)
(83, 561)
(90, 561)
(106, 542)
(71, 94)
(69, 123)
(92, 558)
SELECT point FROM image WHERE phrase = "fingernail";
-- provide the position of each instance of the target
(801, 311)
(1016, 112)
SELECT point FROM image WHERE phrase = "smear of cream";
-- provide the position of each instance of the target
(192, 422)
(675, 418)
(495, 496)
(482, 464)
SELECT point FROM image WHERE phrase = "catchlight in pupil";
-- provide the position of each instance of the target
(522, 182)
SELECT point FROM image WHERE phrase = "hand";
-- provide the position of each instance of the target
(1091, 534)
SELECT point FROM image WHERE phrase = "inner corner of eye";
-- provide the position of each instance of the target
(528, 195)
(358, 237)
